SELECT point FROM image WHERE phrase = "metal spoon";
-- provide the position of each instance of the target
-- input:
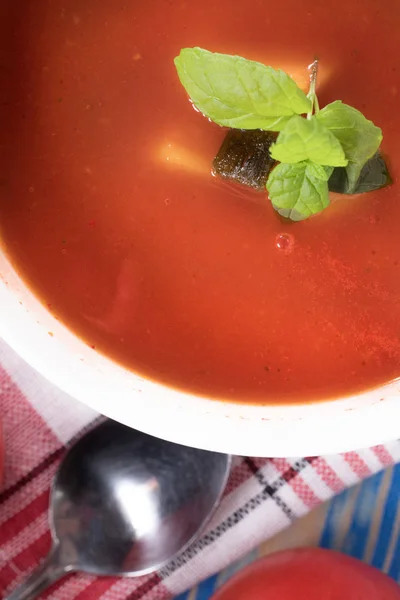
(124, 503)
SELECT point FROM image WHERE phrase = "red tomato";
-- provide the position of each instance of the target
(309, 574)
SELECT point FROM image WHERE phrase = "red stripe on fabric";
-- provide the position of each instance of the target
(327, 474)
(296, 482)
(25, 538)
(357, 464)
(26, 494)
(139, 588)
(20, 520)
(54, 590)
(68, 587)
(287, 472)
(125, 588)
(148, 585)
(241, 473)
(25, 561)
(383, 455)
(94, 588)
(31, 475)
(28, 439)
(161, 593)
(238, 476)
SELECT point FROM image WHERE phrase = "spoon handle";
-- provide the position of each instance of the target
(47, 573)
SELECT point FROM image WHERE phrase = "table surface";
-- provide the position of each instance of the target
(363, 522)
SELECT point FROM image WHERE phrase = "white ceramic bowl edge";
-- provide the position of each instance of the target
(300, 430)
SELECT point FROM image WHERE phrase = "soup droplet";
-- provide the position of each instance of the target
(284, 242)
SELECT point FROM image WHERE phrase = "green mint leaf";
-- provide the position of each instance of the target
(295, 191)
(360, 138)
(319, 171)
(374, 175)
(239, 93)
(308, 139)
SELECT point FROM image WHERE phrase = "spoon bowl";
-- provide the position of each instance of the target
(124, 503)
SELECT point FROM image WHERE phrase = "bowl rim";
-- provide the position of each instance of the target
(304, 429)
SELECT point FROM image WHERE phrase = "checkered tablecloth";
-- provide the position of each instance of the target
(263, 496)
(363, 521)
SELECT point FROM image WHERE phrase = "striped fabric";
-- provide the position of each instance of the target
(363, 521)
(263, 496)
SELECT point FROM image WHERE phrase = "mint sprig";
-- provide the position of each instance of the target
(298, 191)
(243, 94)
(308, 139)
(239, 93)
(359, 138)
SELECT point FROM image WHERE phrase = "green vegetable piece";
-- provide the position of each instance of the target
(360, 138)
(296, 192)
(239, 93)
(308, 139)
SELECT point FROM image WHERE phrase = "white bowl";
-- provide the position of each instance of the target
(301, 430)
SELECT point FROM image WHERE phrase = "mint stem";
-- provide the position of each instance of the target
(313, 68)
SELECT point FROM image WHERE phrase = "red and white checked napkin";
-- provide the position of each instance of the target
(263, 495)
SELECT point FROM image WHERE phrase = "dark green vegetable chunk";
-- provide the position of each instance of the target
(244, 157)
(373, 176)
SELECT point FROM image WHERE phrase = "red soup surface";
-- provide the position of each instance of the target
(109, 210)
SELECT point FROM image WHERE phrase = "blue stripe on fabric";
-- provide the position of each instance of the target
(355, 541)
(394, 569)
(388, 519)
(335, 512)
(184, 596)
(206, 588)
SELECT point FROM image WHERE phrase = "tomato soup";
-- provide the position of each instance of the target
(110, 213)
